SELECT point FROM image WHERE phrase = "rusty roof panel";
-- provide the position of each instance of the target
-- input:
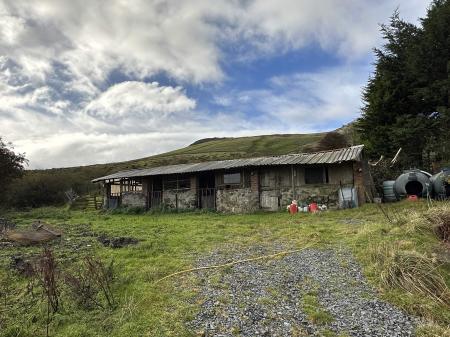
(324, 157)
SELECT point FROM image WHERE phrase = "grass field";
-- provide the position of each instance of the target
(175, 241)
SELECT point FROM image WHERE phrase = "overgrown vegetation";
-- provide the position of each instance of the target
(332, 140)
(170, 242)
(40, 289)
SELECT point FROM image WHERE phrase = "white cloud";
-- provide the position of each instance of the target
(332, 94)
(138, 98)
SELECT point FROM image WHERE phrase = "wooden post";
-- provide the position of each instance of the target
(107, 194)
(358, 182)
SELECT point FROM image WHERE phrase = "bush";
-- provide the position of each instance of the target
(47, 188)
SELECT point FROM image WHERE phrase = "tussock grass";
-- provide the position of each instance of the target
(436, 219)
(411, 271)
(432, 330)
(439, 220)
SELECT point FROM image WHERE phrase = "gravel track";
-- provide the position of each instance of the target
(267, 297)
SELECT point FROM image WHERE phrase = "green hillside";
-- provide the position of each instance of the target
(229, 148)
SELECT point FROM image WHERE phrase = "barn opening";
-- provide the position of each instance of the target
(207, 190)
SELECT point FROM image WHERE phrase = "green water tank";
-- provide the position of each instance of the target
(441, 184)
(413, 182)
(388, 191)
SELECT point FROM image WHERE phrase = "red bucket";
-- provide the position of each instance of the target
(313, 207)
(412, 197)
(293, 209)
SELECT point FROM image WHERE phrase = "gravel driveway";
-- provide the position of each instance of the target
(310, 293)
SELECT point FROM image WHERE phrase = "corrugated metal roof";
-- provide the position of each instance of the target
(324, 157)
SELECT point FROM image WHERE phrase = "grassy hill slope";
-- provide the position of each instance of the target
(229, 148)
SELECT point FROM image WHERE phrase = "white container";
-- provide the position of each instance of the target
(347, 197)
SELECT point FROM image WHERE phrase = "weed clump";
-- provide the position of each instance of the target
(411, 271)
(438, 219)
(92, 285)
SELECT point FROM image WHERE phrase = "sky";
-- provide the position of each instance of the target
(93, 81)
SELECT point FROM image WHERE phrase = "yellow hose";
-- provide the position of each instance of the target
(271, 256)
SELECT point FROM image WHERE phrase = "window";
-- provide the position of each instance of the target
(170, 185)
(232, 178)
(316, 175)
(178, 183)
(184, 184)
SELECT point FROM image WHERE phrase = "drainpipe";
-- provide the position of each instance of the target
(293, 182)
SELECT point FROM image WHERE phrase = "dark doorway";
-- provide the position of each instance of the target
(155, 195)
(207, 190)
(207, 180)
(414, 188)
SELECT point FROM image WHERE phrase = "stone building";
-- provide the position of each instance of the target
(331, 177)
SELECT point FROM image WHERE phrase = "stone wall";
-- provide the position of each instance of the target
(322, 194)
(237, 200)
(134, 199)
(274, 199)
(180, 199)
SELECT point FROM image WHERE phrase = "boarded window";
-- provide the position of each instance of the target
(316, 175)
(232, 178)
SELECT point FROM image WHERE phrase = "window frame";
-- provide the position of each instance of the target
(178, 183)
(324, 174)
(225, 174)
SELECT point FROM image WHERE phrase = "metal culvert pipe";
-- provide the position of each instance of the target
(388, 191)
(441, 184)
(412, 182)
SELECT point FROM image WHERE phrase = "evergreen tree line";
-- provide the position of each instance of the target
(406, 100)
